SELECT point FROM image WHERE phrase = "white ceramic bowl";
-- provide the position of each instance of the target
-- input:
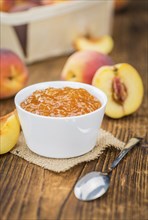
(60, 137)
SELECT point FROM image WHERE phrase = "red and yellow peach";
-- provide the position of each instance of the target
(14, 74)
(81, 66)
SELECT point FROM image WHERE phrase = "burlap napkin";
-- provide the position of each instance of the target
(105, 140)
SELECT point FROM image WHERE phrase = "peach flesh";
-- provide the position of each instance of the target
(9, 131)
(102, 44)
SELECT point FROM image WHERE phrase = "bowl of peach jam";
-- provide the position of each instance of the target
(60, 119)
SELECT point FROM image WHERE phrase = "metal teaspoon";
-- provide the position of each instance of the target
(94, 184)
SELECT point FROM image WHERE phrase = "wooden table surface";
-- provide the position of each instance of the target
(30, 192)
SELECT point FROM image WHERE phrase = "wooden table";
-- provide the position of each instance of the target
(30, 192)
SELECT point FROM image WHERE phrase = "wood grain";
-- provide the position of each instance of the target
(28, 192)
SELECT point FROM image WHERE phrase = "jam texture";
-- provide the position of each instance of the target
(61, 102)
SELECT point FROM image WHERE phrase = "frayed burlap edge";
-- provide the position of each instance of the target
(105, 139)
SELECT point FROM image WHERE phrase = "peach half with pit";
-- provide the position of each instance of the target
(82, 65)
(9, 131)
(123, 87)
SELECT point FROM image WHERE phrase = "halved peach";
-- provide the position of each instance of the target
(123, 87)
(9, 131)
(102, 44)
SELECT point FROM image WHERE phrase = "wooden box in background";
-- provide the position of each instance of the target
(49, 31)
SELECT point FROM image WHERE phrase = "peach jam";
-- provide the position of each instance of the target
(61, 102)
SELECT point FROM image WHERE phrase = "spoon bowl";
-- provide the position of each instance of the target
(92, 186)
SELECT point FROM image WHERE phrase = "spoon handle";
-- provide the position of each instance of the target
(131, 143)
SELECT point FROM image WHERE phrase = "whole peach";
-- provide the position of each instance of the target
(6, 5)
(14, 74)
(81, 66)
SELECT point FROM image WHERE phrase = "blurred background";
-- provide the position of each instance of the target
(43, 33)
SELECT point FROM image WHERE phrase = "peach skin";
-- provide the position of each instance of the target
(81, 66)
(14, 74)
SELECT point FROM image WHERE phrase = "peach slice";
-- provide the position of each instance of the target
(9, 132)
(103, 44)
(123, 86)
